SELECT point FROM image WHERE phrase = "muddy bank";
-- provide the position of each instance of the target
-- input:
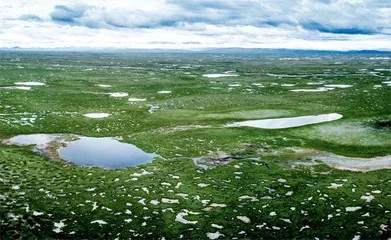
(354, 164)
(341, 162)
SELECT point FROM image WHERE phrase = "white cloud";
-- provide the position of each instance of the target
(174, 24)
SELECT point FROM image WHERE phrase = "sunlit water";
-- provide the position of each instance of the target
(87, 151)
(280, 123)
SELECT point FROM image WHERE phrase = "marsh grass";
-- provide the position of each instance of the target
(31, 184)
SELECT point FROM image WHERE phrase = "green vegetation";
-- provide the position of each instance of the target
(268, 198)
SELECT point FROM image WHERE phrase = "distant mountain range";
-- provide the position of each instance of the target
(247, 51)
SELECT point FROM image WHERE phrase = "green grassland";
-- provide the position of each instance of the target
(46, 199)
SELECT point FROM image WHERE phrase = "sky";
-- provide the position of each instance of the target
(196, 24)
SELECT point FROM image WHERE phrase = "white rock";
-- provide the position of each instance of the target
(215, 235)
(179, 218)
(244, 219)
(100, 222)
(352, 209)
(217, 226)
(166, 200)
(30, 83)
(367, 198)
(97, 115)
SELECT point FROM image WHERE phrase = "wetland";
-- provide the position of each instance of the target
(195, 145)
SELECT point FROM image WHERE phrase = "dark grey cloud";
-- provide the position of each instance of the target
(338, 16)
(30, 17)
(344, 30)
(68, 13)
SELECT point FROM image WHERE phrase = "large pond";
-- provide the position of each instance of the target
(87, 151)
(280, 123)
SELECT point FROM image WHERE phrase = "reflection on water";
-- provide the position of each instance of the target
(87, 151)
(104, 152)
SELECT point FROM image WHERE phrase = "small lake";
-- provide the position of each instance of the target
(281, 123)
(87, 151)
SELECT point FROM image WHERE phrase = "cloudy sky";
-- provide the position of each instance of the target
(196, 24)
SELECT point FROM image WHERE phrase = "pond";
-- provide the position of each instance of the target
(280, 123)
(86, 151)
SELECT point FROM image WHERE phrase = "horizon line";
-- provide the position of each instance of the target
(113, 49)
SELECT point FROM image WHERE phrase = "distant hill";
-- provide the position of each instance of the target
(247, 51)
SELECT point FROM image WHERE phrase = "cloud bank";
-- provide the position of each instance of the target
(298, 24)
